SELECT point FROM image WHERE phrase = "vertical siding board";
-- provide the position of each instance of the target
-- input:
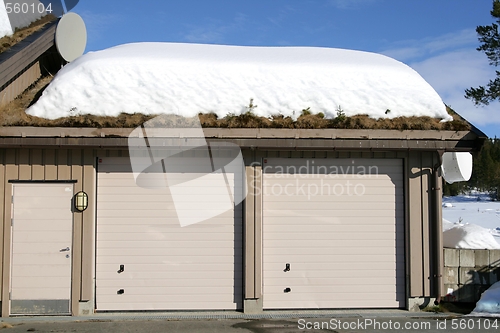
(24, 164)
(407, 228)
(76, 174)
(37, 169)
(49, 162)
(63, 165)
(415, 224)
(89, 181)
(11, 173)
(426, 243)
(2, 206)
(249, 241)
(258, 232)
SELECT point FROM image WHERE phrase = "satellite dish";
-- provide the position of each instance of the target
(71, 36)
(456, 167)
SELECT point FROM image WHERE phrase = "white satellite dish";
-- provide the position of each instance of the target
(456, 167)
(71, 36)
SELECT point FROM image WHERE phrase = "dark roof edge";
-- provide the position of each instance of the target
(17, 58)
(242, 133)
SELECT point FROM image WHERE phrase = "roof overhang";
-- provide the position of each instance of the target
(254, 138)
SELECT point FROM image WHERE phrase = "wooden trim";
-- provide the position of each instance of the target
(89, 185)
(11, 172)
(415, 224)
(249, 240)
(26, 52)
(241, 133)
(258, 232)
(76, 173)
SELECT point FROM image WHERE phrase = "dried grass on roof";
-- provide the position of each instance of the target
(7, 42)
(13, 114)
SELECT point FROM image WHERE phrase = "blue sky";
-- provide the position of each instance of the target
(435, 37)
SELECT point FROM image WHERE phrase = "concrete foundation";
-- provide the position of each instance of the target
(252, 306)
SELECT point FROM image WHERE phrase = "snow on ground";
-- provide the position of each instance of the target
(469, 236)
(465, 212)
(5, 28)
(489, 304)
(186, 79)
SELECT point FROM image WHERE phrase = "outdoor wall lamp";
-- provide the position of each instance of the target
(81, 201)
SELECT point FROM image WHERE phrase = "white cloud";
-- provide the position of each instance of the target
(411, 49)
(451, 64)
(214, 31)
(453, 72)
(350, 4)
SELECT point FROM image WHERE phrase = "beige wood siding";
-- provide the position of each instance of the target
(342, 234)
(42, 226)
(51, 164)
(166, 266)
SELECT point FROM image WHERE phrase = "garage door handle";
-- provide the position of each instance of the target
(287, 268)
(64, 250)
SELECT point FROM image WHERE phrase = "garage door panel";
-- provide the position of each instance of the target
(302, 228)
(160, 295)
(171, 283)
(335, 185)
(337, 258)
(171, 229)
(139, 215)
(280, 218)
(171, 223)
(338, 294)
(333, 240)
(334, 285)
(160, 235)
(368, 198)
(166, 266)
(315, 251)
(133, 251)
(320, 215)
(305, 270)
(331, 207)
(175, 276)
(131, 303)
(172, 268)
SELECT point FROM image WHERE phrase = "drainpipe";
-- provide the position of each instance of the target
(438, 229)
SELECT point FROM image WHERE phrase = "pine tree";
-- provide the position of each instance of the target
(490, 45)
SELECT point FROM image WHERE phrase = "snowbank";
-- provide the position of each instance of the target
(468, 236)
(186, 79)
(489, 304)
(5, 28)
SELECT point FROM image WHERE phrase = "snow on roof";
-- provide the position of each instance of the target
(5, 28)
(186, 79)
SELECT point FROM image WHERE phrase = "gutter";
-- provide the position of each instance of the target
(438, 229)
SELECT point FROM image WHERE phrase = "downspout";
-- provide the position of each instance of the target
(438, 229)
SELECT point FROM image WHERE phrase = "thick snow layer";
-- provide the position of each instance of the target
(186, 79)
(489, 304)
(5, 27)
(469, 236)
(475, 208)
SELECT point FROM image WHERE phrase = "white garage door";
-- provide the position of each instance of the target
(147, 261)
(333, 233)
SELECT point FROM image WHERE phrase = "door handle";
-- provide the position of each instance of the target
(64, 250)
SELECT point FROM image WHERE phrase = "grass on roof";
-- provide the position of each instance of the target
(7, 42)
(13, 114)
